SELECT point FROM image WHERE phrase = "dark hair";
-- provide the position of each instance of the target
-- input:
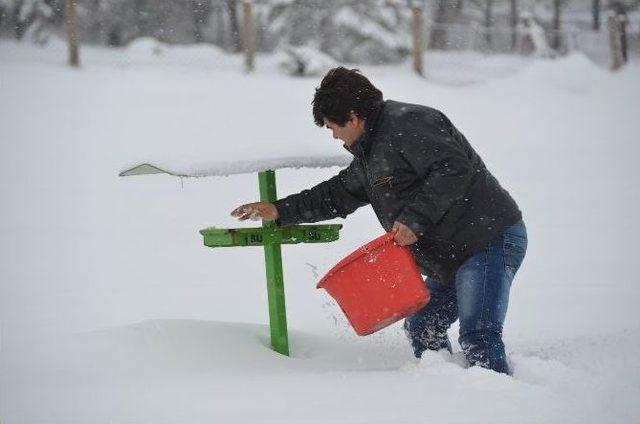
(341, 92)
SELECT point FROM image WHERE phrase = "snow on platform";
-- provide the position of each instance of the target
(217, 169)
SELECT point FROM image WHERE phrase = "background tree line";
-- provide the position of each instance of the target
(372, 31)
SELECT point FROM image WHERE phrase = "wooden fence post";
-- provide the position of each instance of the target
(615, 41)
(418, 45)
(248, 36)
(72, 32)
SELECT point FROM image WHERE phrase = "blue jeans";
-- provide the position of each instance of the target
(479, 297)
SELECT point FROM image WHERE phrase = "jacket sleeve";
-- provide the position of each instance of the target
(336, 197)
(435, 151)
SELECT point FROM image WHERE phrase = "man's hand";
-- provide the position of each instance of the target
(256, 211)
(404, 236)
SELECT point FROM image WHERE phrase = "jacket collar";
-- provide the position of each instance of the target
(363, 144)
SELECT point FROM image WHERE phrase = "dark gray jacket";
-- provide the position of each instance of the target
(413, 166)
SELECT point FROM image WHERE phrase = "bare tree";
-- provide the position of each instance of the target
(513, 22)
(445, 12)
(557, 21)
(486, 8)
(620, 9)
(595, 11)
(200, 12)
(24, 15)
(232, 6)
(488, 21)
(15, 21)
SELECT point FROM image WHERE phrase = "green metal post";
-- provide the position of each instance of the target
(275, 281)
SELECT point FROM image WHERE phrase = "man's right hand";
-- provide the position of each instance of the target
(256, 211)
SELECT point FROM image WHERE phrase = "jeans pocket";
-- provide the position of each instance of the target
(514, 247)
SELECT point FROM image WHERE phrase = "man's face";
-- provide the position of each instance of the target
(350, 132)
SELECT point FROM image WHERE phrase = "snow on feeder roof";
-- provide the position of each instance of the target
(224, 168)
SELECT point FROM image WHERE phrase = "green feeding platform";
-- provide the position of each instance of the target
(234, 237)
(270, 236)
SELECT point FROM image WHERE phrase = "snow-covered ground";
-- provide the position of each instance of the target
(112, 311)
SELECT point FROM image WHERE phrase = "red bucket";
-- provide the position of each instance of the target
(377, 285)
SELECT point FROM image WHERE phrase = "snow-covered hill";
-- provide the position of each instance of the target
(112, 311)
